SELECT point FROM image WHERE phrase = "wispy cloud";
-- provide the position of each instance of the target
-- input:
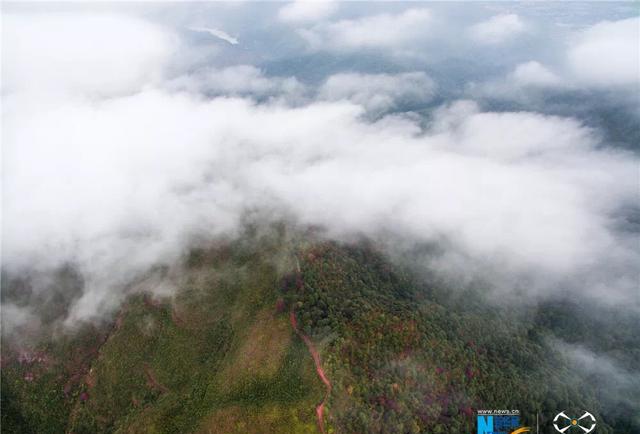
(498, 29)
(220, 34)
(307, 10)
(365, 32)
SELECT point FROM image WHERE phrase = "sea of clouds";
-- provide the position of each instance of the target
(130, 132)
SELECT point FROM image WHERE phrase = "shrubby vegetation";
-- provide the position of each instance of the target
(409, 358)
(221, 356)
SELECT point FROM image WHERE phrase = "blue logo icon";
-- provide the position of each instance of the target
(500, 422)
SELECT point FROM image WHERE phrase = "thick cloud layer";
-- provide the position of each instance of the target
(622, 63)
(116, 158)
(82, 53)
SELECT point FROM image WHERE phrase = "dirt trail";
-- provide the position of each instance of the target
(152, 381)
(316, 360)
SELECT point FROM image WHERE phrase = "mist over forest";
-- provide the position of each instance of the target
(487, 153)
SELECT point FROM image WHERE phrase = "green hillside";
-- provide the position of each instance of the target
(221, 356)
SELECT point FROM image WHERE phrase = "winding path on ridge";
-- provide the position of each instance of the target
(316, 360)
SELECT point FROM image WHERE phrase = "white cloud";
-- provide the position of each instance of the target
(120, 183)
(524, 81)
(616, 385)
(95, 53)
(15, 317)
(375, 31)
(220, 34)
(307, 10)
(143, 174)
(607, 54)
(604, 56)
(522, 135)
(378, 92)
(533, 73)
(498, 29)
(239, 80)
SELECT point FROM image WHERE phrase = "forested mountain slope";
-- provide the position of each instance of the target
(221, 355)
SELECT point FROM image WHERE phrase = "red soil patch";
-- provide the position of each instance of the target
(152, 381)
(316, 360)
